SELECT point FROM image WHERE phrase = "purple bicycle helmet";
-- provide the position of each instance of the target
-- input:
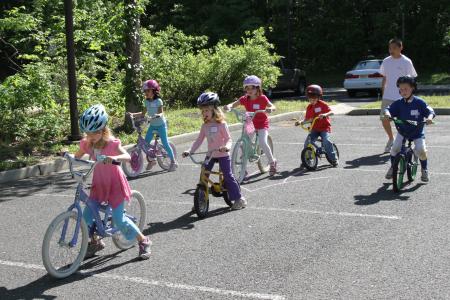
(151, 85)
(252, 80)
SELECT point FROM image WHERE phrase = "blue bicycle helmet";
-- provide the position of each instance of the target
(208, 98)
(94, 118)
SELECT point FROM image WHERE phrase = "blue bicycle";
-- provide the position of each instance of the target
(66, 239)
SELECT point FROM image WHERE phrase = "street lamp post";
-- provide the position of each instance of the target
(71, 76)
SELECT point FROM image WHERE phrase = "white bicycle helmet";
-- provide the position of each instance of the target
(93, 119)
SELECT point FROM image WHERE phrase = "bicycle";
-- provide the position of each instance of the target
(312, 152)
(406, 160)
(206, 186)
(153, 151)
(66, 238)
(245, 150)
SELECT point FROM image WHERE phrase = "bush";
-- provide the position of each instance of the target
(184, 69)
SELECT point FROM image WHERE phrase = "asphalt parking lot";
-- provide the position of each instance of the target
(332, 233)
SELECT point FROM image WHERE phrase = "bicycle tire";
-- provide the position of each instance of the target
(398, 172)
(136, 204)
(412, 166)
(49, 260)
(201, 201)
(135, 166)
(263, 161)
(309, 158)
(165, 162)
(239, 160)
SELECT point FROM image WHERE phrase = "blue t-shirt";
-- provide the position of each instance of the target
(152, 107)
(416, 110)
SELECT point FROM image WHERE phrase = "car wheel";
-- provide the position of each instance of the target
(301, 87)
(351, 93)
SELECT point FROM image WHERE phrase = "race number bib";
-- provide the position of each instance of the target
(213, 129)
(415, 113)
(256, 106)
(317, 109)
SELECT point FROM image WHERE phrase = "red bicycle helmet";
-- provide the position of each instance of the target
(314, 89)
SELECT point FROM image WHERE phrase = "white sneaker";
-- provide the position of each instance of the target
(389, 173)
(173, 166)
(239, 204)
(425, 177)
(388, 147)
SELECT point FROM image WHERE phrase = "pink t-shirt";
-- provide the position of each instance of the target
(217, 135)
(261, 120)
(109, 183)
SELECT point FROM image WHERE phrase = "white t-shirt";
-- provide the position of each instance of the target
(392, 69)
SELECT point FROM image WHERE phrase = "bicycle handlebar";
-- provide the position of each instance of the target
(208, 155)
(73, 160)
(145, 119)
(241, 115)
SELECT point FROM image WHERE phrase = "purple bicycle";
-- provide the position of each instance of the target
(154, 152)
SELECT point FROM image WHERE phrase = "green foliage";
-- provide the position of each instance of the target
(184, 69)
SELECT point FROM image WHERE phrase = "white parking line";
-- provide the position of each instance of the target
(140, 280)
(360, 145)
(286, 182)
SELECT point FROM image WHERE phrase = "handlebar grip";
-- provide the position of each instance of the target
(116, 162)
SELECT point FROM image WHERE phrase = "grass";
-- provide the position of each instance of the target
(433, 101)
(181, 121)
(434, 78)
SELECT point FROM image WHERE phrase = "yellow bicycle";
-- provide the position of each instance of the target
(206, 186)
(313, 151)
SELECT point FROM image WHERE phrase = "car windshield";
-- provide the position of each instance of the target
(368, 64)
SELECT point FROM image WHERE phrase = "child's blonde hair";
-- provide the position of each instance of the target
(106, 136)
(218, 114)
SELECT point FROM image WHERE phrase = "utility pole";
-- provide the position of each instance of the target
(71, 76)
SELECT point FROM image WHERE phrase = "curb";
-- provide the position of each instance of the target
(376, 111)
(60, 164)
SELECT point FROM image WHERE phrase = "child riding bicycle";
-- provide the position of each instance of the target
(415, 109)
(322, 127)
(216, 131)
(109, 184)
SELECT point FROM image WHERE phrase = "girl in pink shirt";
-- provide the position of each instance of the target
(216, 131)
(254, 100)
(109, 184)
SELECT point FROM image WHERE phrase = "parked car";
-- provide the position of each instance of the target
(364, 77)
(290, 79)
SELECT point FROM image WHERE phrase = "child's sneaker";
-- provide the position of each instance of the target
(425, 177)
(389, 173)
(173, 166)
(273, 168)
(239, 204)
(144, 248)
(151, 164)
(335, 163)
(93, 247)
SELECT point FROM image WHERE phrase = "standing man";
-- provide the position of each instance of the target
(394, 66)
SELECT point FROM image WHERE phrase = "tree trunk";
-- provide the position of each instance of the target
(132, 84)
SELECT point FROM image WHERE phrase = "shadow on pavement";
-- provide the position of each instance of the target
(372, 160)
(37, 289)
(385, 193)
(184, 222)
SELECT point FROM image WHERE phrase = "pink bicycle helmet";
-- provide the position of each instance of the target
(151, 85)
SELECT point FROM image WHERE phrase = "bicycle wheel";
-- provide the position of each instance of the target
(163, 158)
(309, 158)
(335, 148)
(411, 169)
(59, 257)
(135, 166)
(201, 201)
(239, 160)
(134, 210)
(263, 162)
(398, 172)
(226, 198)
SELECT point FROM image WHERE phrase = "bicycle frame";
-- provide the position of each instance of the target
(151, 150)
(319, 148)
(204, 174)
